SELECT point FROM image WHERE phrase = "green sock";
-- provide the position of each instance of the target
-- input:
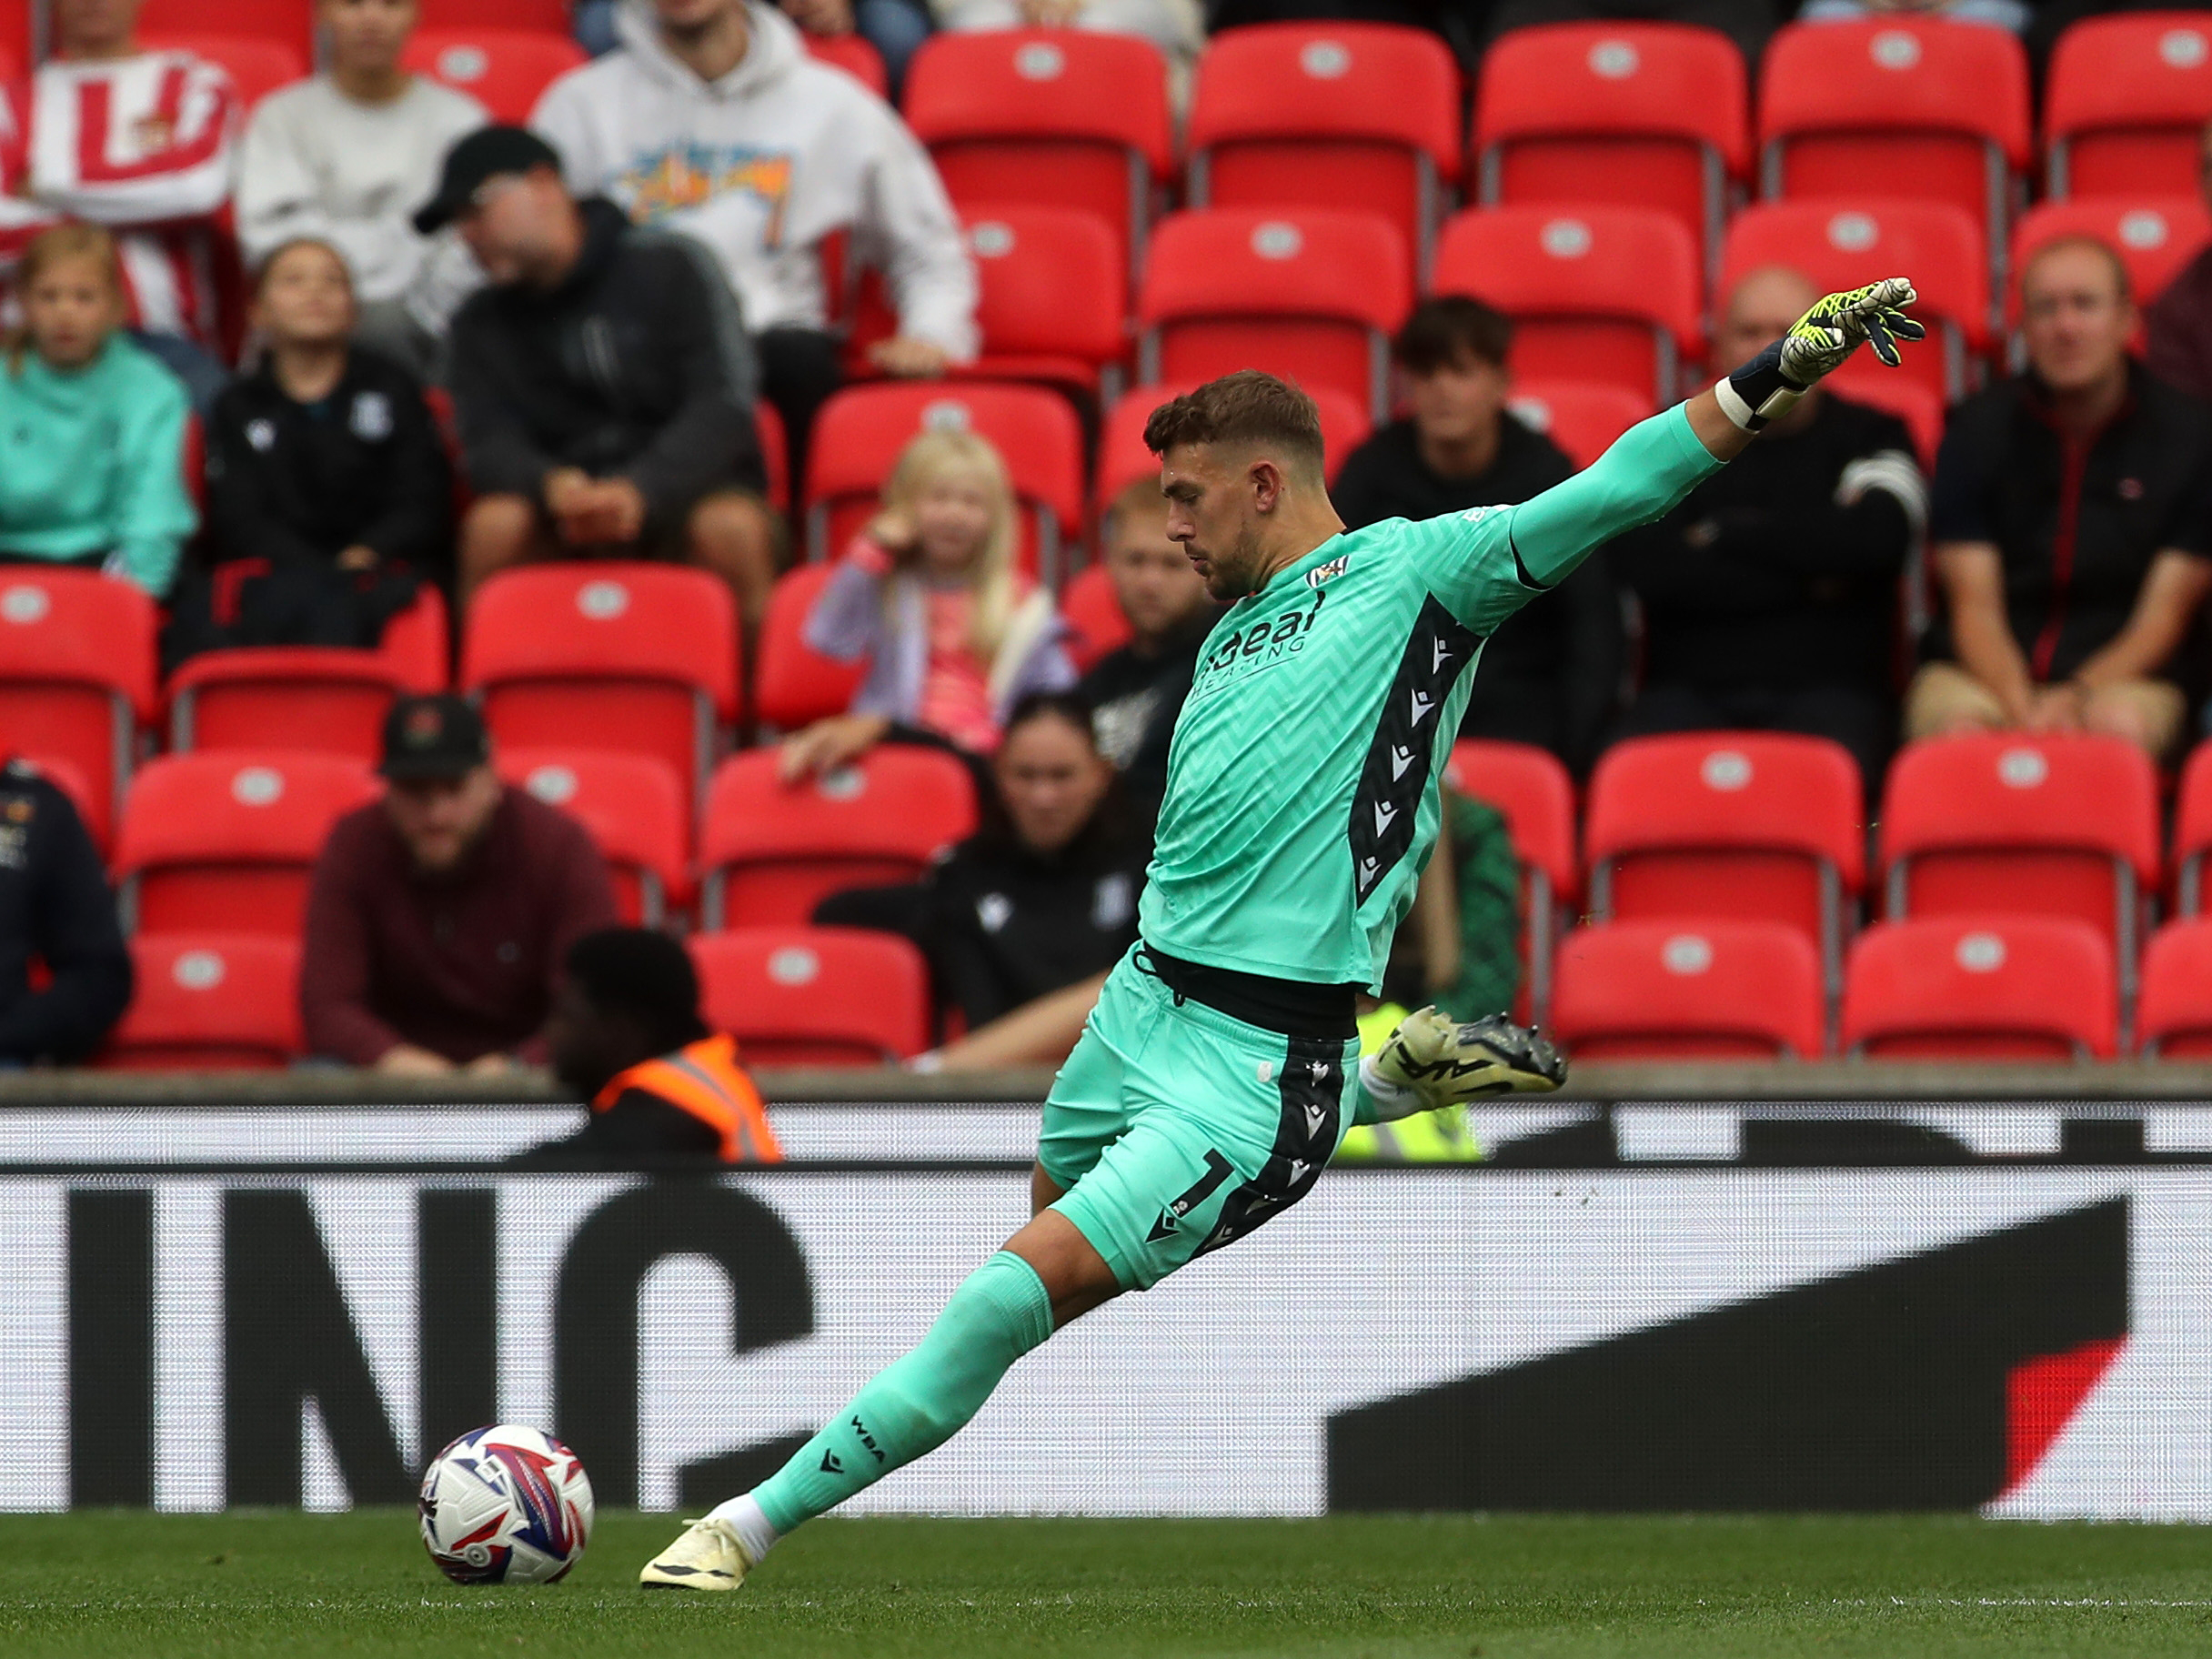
(920, 1401)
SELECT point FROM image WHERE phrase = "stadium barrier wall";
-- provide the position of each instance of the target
(1982, 1324)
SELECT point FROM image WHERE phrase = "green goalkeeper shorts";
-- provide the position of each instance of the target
(1174, 1129)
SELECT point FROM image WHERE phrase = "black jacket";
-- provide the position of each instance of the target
(1780, 571)
(2077, 525)
(1135, 700)
(54, 905)
(636, 366)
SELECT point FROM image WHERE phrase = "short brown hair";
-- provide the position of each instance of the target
(57, 246)
(1443, 331)
(1138, 499)
(1245, 408)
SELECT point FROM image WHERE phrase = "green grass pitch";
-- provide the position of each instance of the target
(99, 1584)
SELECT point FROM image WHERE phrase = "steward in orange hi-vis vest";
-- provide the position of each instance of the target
(705, 1080)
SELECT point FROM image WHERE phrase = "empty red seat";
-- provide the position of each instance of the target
(1535, 796)
(504, 69)
(797, 685)
(290, 22)
(1582, 416)
(860, 431)
(769, 850)
(2173, 1019)
(2155, 236)
(2193, 831)
(1310, 294)
(635, 808)
(798, 996)
(1689, 989)
(1992, 987)
(635, 657)
(853, 54)
(209, 1001)
(1609, 295)
(76, 674)
(258, 65)
(544, 16)
(1053, 305)
(2052, 826)
(1054, 117)
(224, 842)
(1094, 612)
(2126, 104)
(1328, 114)
(1906, 106)
(1654, 115)
(1345, 425)
(1742, 825)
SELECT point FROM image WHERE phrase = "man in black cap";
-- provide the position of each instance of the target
(438, 917)
(603, 381)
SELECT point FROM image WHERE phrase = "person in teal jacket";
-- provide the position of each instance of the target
(92, 428)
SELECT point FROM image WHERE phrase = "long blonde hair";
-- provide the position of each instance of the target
(56, 246)
(921, 464)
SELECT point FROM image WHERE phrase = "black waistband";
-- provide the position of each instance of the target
(1296, 1008)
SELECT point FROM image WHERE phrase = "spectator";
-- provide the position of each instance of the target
(713, 118)
(928, 595)
(1552, 677)
(345, 158)
(438, 917)
(54, 908)
(141, 142)
(92, 429)
(1138, 690)
(2180, 320)
(1176, 27)
(603, 384)
(625, 1038)
(1770, 594)
(1044, 895)
(2070, 523)
(896, 28)
(328, 494)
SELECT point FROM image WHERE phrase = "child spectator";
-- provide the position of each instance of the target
(56, 909)
(92, 429)
(929, 595)
(329, 498)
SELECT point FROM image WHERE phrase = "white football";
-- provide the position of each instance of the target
(505, 1505)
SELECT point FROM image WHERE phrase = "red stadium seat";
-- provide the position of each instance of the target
(2173, 1020)
(860, 431)
(640, 658)
(634, 807)
(417, 641)
(1123, 459)
(2129, 99)
(1849, 242)
(1310, 294)
(1917, 404)
(797, 685)
(2193, 831)
(209, 1001)
(854, 56)
(1536, 798)
(504, 69)
(1053, 117)
(2155, 236)
(775, 454)
(1608, 295)
(224, 842)
(1094, 616)
(1582, 416)
(2053, 826)
(1054, 300)
(1327, 114)
(16, 44)
(258, 65)
(1653, 115)
(289, 23)
(1746, 826)
(69, 779)
(769, 851)
(76, 674)
(543, 16)
(1925, 109)
(1999, 987)
(815, 996)
(1689, 989)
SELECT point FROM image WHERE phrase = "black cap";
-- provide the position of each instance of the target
(484, 154)
(433, 737)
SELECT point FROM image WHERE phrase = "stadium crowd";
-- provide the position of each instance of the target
(473, 327)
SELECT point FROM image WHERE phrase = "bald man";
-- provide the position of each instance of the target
(1768, 594)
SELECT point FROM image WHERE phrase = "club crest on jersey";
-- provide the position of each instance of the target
(1328, 572)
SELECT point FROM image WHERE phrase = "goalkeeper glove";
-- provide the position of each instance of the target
(1430, 1062)
(1816, 345)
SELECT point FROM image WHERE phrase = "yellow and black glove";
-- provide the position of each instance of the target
(1816, 345)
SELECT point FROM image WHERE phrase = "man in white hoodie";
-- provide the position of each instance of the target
(713, 119)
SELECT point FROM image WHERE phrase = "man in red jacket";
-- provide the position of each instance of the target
(438, 917)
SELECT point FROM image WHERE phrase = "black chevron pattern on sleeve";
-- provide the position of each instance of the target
(1400, 759)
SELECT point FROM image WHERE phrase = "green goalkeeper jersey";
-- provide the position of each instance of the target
(1302, 780)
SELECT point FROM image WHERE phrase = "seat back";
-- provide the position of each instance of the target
(1988, 987)
(1689, 989)
(798, 996)
(1320, 114)
(2155, 237)
(209, 1001)
(418, 641)
(1123, 459)
(1582, 416)
(256, 65)
(2192, 831)
(1052, 284)
(769, 851)
(2126, 104)
(1535, 796)
(1652, 115)
(76, 673)
(635, 808)
(284, 697)
(542, 16)
(2173, 1019)
(505, 69)
(69, 779)
(1094, 613)
(853, 54)
(285, 22)
(797, 684)
(225, 841)
(1606, 295)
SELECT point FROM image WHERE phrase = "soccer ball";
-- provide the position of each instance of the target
(505, 1505)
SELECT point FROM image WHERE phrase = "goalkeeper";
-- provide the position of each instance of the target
(1220, 1069)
